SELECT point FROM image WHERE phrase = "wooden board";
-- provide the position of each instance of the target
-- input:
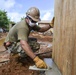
(64, 42)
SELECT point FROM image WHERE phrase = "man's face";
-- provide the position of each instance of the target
(32, 23)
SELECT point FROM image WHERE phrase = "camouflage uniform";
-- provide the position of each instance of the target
(15, 48)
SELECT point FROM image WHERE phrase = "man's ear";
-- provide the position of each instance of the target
(27, 20)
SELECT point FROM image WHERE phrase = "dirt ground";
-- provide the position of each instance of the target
(20, 66)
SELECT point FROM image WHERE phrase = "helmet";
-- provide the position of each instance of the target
(33, 13)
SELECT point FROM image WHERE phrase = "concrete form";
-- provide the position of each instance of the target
(54, 70)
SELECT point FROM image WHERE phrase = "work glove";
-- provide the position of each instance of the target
(39, 63)
(52, 22)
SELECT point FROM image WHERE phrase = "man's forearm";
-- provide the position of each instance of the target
(27, 49)
(45, 28)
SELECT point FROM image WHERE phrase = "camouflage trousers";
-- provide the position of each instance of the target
(16, 48)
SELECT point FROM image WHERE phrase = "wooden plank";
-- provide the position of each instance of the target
(64, 43)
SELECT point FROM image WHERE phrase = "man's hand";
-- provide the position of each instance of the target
(39, 63)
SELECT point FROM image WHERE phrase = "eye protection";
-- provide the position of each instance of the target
(32, 20)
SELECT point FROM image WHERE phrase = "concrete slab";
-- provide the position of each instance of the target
(54, 70)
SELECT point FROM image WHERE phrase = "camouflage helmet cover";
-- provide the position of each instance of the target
(33, 13)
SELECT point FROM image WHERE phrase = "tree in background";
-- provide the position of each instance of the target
(12, 22)
(22, 18)
(4, 21)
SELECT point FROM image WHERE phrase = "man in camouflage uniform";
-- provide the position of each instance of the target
(17, 37)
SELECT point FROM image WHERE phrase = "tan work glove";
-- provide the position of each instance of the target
(39, 63)
(52, 22)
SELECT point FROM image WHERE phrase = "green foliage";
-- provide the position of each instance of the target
(22, 18)
(4, 21)
(12, 22)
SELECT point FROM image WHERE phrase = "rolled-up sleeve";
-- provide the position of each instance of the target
(36, 28)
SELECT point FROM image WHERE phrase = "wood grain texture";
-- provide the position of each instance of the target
(64, 42)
